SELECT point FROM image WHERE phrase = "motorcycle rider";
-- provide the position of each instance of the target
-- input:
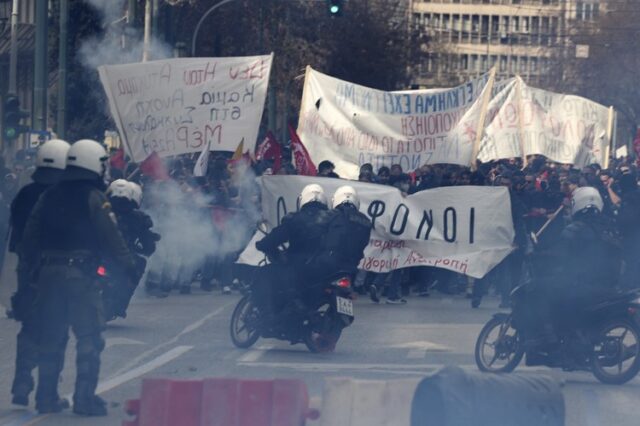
(69, 233)
(347, 235)
(585, 264)
(303, 231)
(51, 159)
(125, 198)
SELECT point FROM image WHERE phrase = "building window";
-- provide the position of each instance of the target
(524, 63)
(587, 10)
(503, 63)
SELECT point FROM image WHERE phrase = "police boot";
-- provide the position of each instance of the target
(22, 387)
(91, 405)
(47, 399)
(85, 401)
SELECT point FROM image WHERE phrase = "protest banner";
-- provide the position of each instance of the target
(351, 125)
(466, 229)
(523, 120)
(178, 106)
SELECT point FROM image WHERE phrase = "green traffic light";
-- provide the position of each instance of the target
(334, 9)
(10, 133)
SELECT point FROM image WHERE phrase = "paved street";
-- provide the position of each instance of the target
(186, 336)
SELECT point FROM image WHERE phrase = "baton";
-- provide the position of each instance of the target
(534, 236)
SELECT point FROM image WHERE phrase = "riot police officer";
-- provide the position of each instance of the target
(347, 235)
(51, 159)
(125, 198)
(304, 231)
(69, 233)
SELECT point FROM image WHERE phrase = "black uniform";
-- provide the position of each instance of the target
(135, 227)
(348, 233)
(583, 272)
(629, 227)
(69, 233)
(22, 302)
(304, 231)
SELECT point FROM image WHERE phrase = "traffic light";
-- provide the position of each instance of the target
(12, 116)
(335, 7)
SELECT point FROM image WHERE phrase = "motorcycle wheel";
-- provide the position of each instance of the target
(322, 342)
(244, 324)
(504, 343)
(616, 352)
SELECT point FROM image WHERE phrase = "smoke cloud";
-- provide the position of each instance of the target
(119, 44)
(191, 238)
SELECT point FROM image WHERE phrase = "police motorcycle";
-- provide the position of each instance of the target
(603, 339)
(317, 320)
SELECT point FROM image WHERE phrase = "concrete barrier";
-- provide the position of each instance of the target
(453, 397)
(350, 402)
(220, 402)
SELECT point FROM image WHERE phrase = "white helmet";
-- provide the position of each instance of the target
(53, 154)
(585, 197)
(89, 155)
(120, 188)
(313, 192)
(136, 193)
(346, 194)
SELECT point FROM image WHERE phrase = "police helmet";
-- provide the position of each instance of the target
(345, 194)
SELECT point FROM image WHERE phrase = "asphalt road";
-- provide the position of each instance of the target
(186, 336)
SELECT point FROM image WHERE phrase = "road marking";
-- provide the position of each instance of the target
(143, 369)
(117, 341)
(399, 368)
(255, 354)
(422, 347)
(417, 354)
(188, 329)
(116, 381)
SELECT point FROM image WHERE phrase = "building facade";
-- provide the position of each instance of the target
(519, 37)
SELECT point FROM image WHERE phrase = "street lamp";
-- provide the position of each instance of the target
(201, 21)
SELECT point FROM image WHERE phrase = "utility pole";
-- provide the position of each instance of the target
(147, 31)
(131, 21)
(41, 70)
(62, 70)
(13, 54)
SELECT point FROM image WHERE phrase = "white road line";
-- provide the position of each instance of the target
(255, 354)
(143, 369)
(33, 418)
(188, 329)
(117, 341)
(416, 368)
(417, 354)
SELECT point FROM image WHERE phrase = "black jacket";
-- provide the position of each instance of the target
(71, 217)
(303, 230)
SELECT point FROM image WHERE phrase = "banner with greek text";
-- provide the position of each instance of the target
(522, 120)
(466, 229)
(179, 106)
(352, 125)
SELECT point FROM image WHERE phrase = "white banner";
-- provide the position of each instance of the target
(352, 125)
(565, 128)
(466, 229)
(177, 106)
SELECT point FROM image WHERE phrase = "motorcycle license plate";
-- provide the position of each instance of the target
(344, 306)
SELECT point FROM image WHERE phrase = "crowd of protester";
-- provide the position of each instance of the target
(227, 194)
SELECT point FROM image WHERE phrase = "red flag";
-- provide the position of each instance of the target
(270, 149)
(117, 160)
(153, 167)
(304, 165)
